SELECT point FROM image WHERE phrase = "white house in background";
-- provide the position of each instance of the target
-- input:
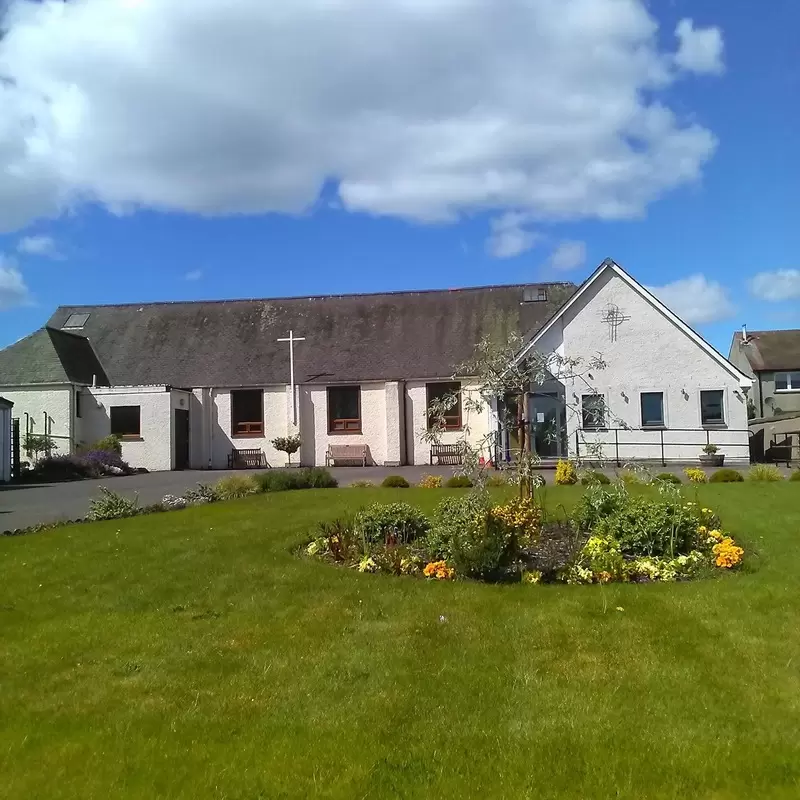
(185, 383)
(6, 408)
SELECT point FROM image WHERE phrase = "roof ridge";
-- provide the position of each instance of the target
(30, 335)
(387, 293)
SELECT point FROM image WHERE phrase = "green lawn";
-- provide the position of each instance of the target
(192, 655)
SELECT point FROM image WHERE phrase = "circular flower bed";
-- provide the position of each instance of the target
(612, 536)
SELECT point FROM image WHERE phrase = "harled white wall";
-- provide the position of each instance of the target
(276, 408)
(314, 425)
(57, 401)
(153, 450)
(649, 353)
(477, 424)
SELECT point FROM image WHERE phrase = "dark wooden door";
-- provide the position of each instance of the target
(181, 438)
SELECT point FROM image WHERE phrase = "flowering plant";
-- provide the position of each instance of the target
(439, 570)
(696, 475)
(566, 474)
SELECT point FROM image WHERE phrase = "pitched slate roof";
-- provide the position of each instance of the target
(50, 356)
(392, 336)
(770, 350)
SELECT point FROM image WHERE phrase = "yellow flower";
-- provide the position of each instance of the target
(727, 553)
(702, 529)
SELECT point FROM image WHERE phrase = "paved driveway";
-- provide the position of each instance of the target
(30, 504)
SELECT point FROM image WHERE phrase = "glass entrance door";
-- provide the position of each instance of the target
(547, 412)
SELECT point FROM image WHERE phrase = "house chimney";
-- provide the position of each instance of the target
(744, 334)
(94, 381)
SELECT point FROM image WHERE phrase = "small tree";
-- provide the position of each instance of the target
(287, 444)
(36, 445)
(500, 372)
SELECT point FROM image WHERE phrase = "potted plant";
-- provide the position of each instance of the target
(288, 445)
(711, 457)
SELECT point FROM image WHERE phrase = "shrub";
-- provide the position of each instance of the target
(94, 464)
(477, 542)
(391, 523)
(172, 503)
(287, 444)
(202, 494)
(764, 472)
(109, 444)
(395, 482)
(592, 477)
(696, 475)
(65, 468)
(795, 476)
(566, 474)
(110, 461)
(598, 502)
(362, 485)
(458, 482)
(317, 478)
(496, 481)
(35, 444)
(726, 476)
(235, 486)
(644, 527)
(630, 477)
(668, 477)
(430, 482)
(483, 547)
(111, 505)
(710, 449)
(278, 480)
(336, 540)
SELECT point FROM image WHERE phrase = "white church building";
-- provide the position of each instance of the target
(185, 384)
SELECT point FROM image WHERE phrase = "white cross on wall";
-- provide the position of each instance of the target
(292, 339)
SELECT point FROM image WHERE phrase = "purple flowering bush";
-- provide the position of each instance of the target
(94, 464)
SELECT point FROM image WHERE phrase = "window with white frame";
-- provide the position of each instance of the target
(787, 381)
(652, 404)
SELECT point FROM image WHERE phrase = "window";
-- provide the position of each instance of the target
(344, 409)
(652, 409)
(247, 412)
(593, 408)
(534, 294)
(451, 392)
(787, 381)
(125, 422)
(712, 407)
(76, 321)
(78, 404)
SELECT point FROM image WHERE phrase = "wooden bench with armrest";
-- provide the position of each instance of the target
(346, 452)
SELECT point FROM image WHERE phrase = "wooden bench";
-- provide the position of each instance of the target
(246, 459)
(346, 452)
(447, 454)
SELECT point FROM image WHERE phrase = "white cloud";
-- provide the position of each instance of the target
(193, 275)
(510, 235)
(699, 49)
(696, 300)
(782, 284)
(567, 256)
(44, 246)
(13, 291)
(424, 109)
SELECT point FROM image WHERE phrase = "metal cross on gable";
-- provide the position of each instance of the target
(613, 317)
(292, 339)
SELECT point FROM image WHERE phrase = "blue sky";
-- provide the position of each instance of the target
(471, 147)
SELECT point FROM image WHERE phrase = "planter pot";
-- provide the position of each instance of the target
(717, 460)
(293, 465)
